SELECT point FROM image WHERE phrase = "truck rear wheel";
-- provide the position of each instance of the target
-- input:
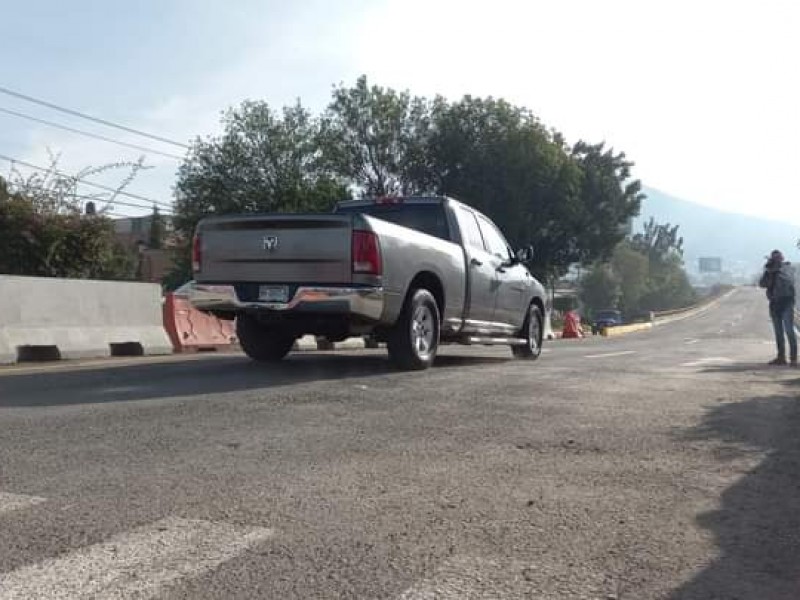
(261, 343)
(414, 340)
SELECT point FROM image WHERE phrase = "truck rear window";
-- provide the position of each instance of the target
(427, 218)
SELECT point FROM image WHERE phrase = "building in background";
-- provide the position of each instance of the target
(135, 234)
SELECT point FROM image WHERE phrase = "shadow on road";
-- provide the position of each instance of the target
(744, 368)
(214, 375)
(757, 527)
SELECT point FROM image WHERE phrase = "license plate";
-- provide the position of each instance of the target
(273, 293)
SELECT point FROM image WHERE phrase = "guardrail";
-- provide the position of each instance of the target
(704, 303)
(666, 316)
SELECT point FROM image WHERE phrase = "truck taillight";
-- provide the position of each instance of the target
(388, 200)
(366, 253)
(197, 253)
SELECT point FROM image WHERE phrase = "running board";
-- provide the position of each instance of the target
(495, 341)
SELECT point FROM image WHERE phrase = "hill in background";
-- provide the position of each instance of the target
(741, 241)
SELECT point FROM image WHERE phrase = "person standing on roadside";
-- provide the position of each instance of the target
(778, 280)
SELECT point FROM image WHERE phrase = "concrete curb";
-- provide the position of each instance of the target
(625, 329)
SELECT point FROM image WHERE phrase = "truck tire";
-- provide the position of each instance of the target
(261, 343)
(532, 332)
(414, 340)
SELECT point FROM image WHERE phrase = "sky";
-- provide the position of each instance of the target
(702, 95)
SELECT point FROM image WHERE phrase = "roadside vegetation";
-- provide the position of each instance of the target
(644, 273)
(46, 231)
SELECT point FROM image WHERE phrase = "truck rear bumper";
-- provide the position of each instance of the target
(362, 302)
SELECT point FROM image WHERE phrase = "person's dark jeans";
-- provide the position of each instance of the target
(782, 313)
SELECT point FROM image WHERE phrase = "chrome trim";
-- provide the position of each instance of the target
(496, 341)
(365, 302)
(486, 327)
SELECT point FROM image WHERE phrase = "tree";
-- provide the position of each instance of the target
(41, 243)
(610, 198)
(375, 138)
(43, 231)
(668, 285)
(600, 288)
(659, 241)
(570, 204)
(633, 271)
(263, 162)
(156, 237)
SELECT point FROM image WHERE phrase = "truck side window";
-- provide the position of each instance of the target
(495, 243)
(470, 232)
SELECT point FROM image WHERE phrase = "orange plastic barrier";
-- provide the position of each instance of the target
(572, 326)
(191, 330)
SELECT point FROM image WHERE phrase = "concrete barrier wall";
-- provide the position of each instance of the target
(79, 318)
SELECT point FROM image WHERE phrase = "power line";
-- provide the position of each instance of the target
(75, 113)
(89, 183)
(114, 202)
(87, 133)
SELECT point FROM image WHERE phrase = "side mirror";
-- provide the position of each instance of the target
(525, 255)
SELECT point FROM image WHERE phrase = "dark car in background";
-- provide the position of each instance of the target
(605, 318)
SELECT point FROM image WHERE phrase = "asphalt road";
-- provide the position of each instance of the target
(662, 464)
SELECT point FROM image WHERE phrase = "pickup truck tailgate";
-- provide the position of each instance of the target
(277, 248)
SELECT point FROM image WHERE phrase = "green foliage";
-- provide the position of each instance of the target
(501, 159)
(262, 162)
(610, 199)
(659, 242)
(570, 204)
(375, 138)
(600, 288)
(633, 270)
(646, 272)
(43, 231)
(49, 237)
(669, 286)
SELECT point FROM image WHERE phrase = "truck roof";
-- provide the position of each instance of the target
(393, 200)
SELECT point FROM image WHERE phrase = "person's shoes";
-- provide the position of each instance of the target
(793, 363)
(778, 362)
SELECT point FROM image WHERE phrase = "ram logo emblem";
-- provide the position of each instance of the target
(269, 243)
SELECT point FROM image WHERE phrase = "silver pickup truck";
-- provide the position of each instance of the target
(411, 272)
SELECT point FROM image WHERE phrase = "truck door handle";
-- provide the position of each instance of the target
(475, 263)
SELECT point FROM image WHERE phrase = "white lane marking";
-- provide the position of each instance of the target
(136, 564)
(608, 354)
(712, 360)
(9, 502)
(690, 341)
